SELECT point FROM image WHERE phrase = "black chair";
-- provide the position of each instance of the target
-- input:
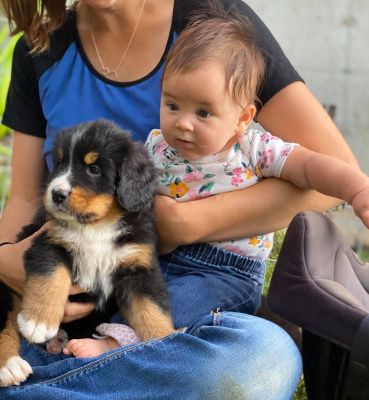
(320, 285)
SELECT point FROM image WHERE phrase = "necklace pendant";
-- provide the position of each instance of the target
(107, 72)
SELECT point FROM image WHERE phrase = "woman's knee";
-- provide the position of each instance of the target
(253, 359)
(280, 363)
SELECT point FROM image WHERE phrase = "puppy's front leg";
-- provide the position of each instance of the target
(43, 304)
(147, 318)
(141, 292)
(13, 369)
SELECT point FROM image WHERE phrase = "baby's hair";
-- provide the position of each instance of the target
(226, 37)
(36, 18)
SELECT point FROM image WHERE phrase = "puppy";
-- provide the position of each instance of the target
(100, 236)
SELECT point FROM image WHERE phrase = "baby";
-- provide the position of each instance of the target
(205, 147)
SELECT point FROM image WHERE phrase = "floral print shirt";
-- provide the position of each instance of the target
(255, 156)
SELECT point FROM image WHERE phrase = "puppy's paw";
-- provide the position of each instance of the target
(35, 332)
(14, 372)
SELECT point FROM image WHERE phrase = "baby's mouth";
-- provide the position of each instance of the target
(184, 143)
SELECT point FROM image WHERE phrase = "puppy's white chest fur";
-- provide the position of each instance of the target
(95, 257)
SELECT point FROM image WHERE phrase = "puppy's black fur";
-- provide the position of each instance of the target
(100, 236)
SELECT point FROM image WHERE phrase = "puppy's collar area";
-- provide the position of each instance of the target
(67, 219)
(85, 219)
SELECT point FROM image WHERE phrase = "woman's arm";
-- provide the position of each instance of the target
(26, 189)
(28, 177)
(25, 196)
(294, 115)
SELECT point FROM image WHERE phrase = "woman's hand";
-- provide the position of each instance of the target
(74, 310)
(13, 275)
(171, 223)
(11, 262)
(11, 266)
(28, 178)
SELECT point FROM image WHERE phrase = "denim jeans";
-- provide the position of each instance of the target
(203, 278)
(221, 355)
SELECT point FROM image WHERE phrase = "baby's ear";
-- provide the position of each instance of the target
(244, 121)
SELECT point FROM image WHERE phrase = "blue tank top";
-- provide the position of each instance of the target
(71, 91)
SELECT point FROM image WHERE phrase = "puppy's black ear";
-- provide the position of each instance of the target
(138, 179)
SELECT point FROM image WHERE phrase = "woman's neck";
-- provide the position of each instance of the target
(121, 13)
(142, 26)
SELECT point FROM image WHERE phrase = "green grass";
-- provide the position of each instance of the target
(4, 186)
(300, 392)
(364, 254)
(278, 240)
(5, 156)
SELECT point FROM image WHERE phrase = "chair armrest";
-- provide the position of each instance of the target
(319, 283)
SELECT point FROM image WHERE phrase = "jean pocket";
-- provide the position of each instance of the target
(244, 295)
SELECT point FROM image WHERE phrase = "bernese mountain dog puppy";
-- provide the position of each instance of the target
(100, 236)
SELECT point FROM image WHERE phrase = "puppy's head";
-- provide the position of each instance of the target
(98, 170)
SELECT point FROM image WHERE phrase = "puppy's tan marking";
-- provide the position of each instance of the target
(113, 214)
(45, 297)
(91, 157)
(84, 201)
(138, 255)
(9, 337)
(147, 318)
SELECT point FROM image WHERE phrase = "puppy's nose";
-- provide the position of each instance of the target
(59, 195)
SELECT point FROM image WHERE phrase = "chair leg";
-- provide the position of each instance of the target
(357, 379)
(325, 366)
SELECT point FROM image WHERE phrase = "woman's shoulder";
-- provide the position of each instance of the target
(65, 35)
(60, 40)
(184, 9)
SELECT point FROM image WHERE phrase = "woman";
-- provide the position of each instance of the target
(105, 61)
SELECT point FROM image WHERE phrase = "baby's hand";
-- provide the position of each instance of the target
(360, 204)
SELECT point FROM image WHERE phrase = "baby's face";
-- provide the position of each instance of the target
(197, 116)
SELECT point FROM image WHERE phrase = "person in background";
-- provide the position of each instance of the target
(104, 59)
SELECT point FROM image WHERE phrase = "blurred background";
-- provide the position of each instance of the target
(6, 50)
(327, 42)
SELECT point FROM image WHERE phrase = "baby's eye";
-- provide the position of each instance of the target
(203, 114)
(172, 106)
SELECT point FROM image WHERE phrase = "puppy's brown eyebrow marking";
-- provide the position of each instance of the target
(91, 157)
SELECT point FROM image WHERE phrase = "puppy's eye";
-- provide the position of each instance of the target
(94, 169)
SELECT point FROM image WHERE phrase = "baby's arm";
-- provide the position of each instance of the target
(307, 169)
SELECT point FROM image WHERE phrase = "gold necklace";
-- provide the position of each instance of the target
(105, 70)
